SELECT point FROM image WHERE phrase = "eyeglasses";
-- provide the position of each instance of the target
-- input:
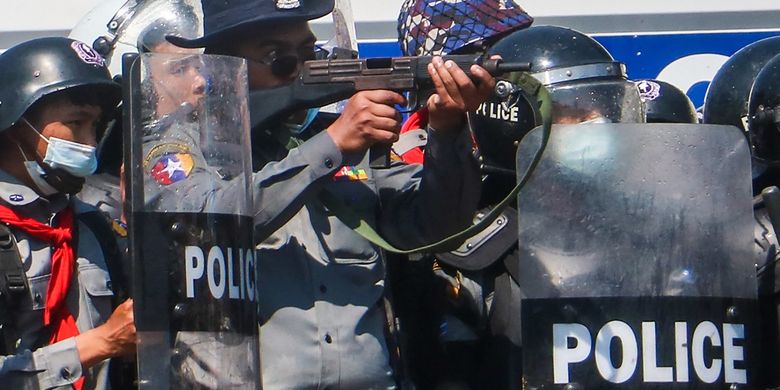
(284, 64)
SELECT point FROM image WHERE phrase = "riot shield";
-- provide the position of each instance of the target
(188, 193)
(636, 257)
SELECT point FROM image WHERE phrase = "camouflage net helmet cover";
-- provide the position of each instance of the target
(438, 27)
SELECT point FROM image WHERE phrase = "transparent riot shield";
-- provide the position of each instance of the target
(188, 186)
(636, 257)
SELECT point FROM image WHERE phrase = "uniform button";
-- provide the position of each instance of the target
(65, 373)
(109, 285)
(328, 163)
(37, 298)
(323, 289)
(328, 339)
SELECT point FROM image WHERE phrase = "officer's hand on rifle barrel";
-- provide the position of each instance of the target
(456, 93)
(369, 117)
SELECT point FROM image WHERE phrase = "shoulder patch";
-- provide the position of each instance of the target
(172, 167)
(162, 149)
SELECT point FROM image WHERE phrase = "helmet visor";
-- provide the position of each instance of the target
(148, 25)
(601, 101)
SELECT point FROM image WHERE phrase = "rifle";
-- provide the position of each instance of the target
(322, 82)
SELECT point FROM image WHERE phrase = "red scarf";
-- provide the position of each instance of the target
(56, 313)
(418, 120)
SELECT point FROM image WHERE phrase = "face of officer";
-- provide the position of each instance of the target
(177, 80)
(274, 53)
(56, 139)
(67, 121)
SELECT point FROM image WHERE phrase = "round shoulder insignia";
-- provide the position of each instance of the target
(172, 167)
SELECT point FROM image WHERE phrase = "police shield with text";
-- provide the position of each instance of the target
(746, 92)
(187, 164)
(636, 258)
(764, 125)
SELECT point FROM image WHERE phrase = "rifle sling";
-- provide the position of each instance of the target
(531, 87)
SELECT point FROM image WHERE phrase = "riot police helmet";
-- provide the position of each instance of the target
(725, 102)
(665, 103)
(117, 27)
(39, 67)
(764, 114)
(585, 82)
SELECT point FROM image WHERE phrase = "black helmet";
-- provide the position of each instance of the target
(665, 103)
(584, 81)
(726, 100)
(36, 68)
(764, 114)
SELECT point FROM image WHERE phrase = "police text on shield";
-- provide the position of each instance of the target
(573, 344)
(227, 278)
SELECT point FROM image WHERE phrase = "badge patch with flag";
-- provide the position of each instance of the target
(350, 173)
(172, 167)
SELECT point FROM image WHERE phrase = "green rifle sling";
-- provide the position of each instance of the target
(531, 87)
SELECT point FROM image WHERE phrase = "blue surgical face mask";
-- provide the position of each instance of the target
(297, 129)
(75, 158)
(36, 173)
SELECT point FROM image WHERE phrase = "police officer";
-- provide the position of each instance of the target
(173, 134)
(184, 168)
(764, 129)
(586, 85)
(58, 329)
(665, 103)
(442, 308)
(115, 28)
(321, 285)
(744, 93)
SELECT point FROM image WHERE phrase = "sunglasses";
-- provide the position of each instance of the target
(285, 64)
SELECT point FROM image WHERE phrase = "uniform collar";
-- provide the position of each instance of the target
(14, 193)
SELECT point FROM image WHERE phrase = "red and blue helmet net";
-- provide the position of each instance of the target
(439, 27)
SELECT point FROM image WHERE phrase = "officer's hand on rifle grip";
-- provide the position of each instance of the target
(456, 93)
(368, 118)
